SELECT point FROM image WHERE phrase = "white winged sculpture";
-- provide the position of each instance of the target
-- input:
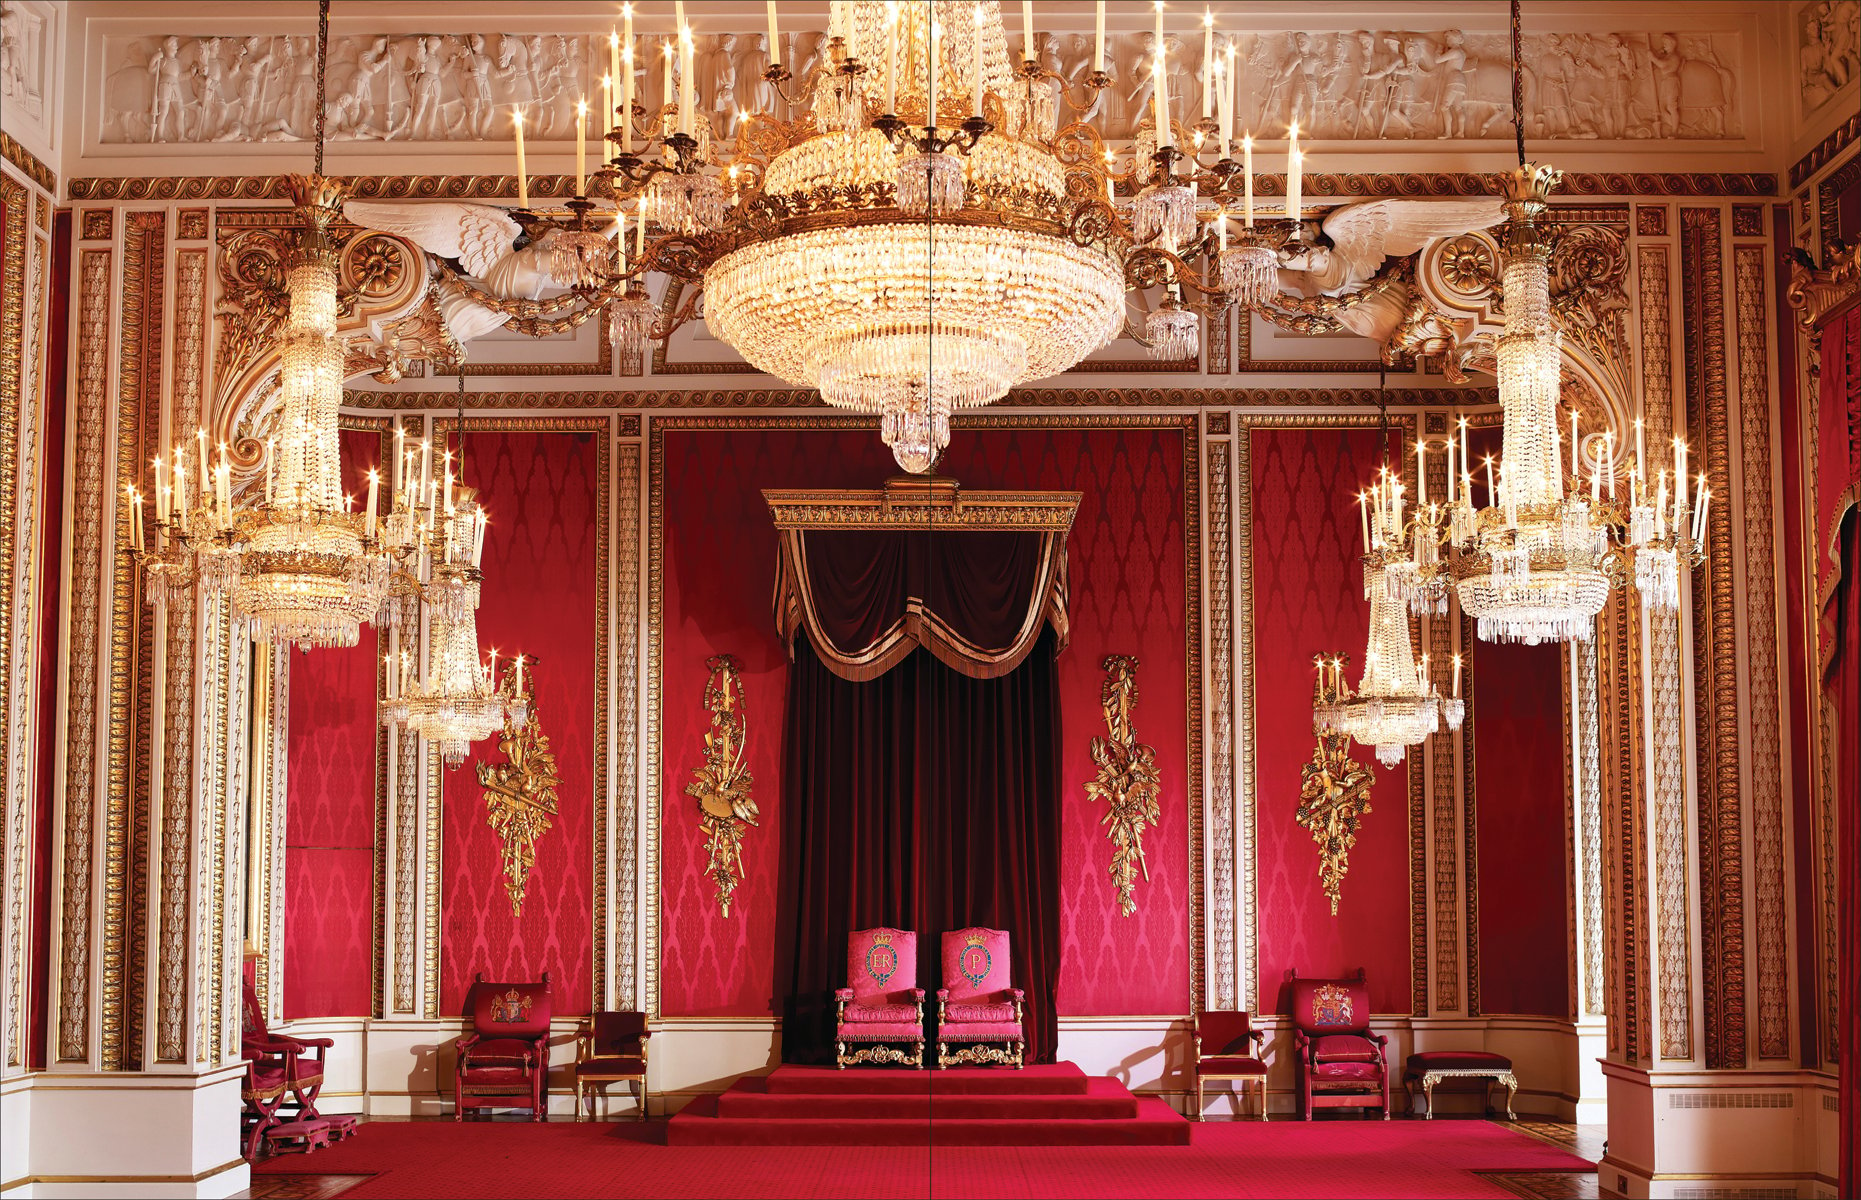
(481, 238)
(1359, 238)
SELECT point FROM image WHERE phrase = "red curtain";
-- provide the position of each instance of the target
(1844, 681)
(923, 799)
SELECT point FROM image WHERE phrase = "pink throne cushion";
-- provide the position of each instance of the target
(1330, 1006)
(882, 969)
(975, 969)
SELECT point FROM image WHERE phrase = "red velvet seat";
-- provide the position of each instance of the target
(1227, 1047)
(881, 1009)
(1427, 1068)
(976, 1007)
(283, 1074)
(1342, 1063)
(504, 1059)
(612, 1048)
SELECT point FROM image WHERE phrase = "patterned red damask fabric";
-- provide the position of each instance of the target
(1308, 599)
(538, 598)
(1126, 562)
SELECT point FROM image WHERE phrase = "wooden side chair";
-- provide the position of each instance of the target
(611, 1048)
(1227, 1049)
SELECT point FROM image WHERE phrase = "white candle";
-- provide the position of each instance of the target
(135, 517)
(1160, 92)
(688, 89)
(626, 26)
(1247, 176)
(161, 493)
(1208, 60)
(891, 55)
(1457, 676)
(200, 436)
(1159, 8)
(774, 41)
(671, 93)
(1465, 470)
(400, 452)
(1609, 451)
(1660, 508)
(1363, 516)
(1027, 30)
(1576, 448)
(1451, 495)
(1226, 97)
(1492, 493)
(931, 73)
(1680, 478)
(426, 468)
(613, 62)
(975, 75)
(520, 674)
(626, 98)
(1098, 37)
(523, 178)
(1295, 181)
(1641, 455)
(1421, 476)
(607, 110)
(620, 239)
(1596, 482)
(581, 145)
(374, 488)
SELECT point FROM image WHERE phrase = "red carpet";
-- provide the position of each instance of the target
(1049, 1105)
(1224, 1159)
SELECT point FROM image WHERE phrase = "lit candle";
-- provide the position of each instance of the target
(426, 468)
(180, 490)
(520, 674)
(1596, 483)
(478, 545)
(494, 666)
(271, 456)
(1027, 30)
(523, 177)
(1247, 176)
(613, 63)
(374, 487)
(1226, 100)
(1465, 470)
(1363, 515)
(607, 108)
(1680, 480)
(1492, 493)
(671, 93)
(1160, 92)
(1576, 448)
(1609, 449)
(975, 75)
(135, 517)
(161, 494)
(626, 97)
(400, 451)
(1457, 676)
(774, 41)
(1451, 482)
(1421, 477)
(1159, 8)
(1699, 512)
(620, 239)
(1208, 60)
(581, 144)
(687, 89)
(931, 73)
(1295, 181)
(1098, 37)
(626, 25)
(1641, 455)
(639, 236)
(200, 436)
(891, 54)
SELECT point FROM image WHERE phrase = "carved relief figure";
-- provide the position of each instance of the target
(477, 90)
(1665, 61)
(1829, 45)
(168, 115)
(1451, 60)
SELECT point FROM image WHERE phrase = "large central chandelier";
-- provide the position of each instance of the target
(920, 231)
(299, 563)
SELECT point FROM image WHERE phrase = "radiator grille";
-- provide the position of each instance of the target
(1735, 1193)
(1729, 1099)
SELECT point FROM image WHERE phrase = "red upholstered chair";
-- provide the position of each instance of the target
(612, 1047)
(1227, 1047)
(280, 1071)
(975, 1006)
(504, 1060)
(882, 1007)
(1342, 1064)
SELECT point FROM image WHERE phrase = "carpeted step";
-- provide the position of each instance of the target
(1103, 1100)
(1156, 1124)
(1044, 1079)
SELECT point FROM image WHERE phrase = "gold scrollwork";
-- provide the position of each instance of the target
(1128, 780)
(520, 799)
(722, 784)
(1334, 796)
(980, 1056)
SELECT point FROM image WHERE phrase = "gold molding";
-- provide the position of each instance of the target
(808, 400)
(18, 408)
(1824, 152)
(28, 163)
(922, 502)
(624, 933)
(1363, 185)
(1228, 866)
(1128, 779)
(1819, 293)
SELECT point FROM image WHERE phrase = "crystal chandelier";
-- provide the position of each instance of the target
(300, 565)
(924, 233)
(1396, 704)
(1537, 563)
(439, 534)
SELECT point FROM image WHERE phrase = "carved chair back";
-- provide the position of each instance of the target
(618, 1034)
(882, 965)
(510, 1010)
(975, 963)
(1224, 1034)
(1331, 1006)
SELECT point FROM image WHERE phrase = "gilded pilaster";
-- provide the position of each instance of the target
(1223, 841)
(625, 925)
(1585, 727)
(1246, 765)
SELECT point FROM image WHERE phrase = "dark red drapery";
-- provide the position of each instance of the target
(1844, 682)
(923, 799)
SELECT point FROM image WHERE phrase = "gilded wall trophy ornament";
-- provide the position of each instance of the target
(722, 784)
(1127, 780)
(1334, 791)
(520, 799)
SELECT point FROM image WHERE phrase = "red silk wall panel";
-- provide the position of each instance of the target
(1524, 859)
(1128, 596)
(329, 820)
(1308, 599)
(541, 583)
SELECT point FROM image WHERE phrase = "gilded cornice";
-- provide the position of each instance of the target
(1818, 293)
(27, 162)
(1354, 184)
(919, 502)
(1825, 151)
(802, 398)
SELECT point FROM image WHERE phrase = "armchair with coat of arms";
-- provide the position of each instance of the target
(978, 1013)
(881, 1010)
(504, 1058)
(1342, 1062)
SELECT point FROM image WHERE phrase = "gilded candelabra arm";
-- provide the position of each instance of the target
(776, 75)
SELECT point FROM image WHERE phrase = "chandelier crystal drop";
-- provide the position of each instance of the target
(1173, 332)
(459, 699)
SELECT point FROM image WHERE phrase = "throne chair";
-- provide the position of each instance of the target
(281, 1071)
(976, 1008)
(504, 1060)
(882, 1007)
(1342, 1063)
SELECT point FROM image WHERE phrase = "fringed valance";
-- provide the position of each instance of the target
(872, 576)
